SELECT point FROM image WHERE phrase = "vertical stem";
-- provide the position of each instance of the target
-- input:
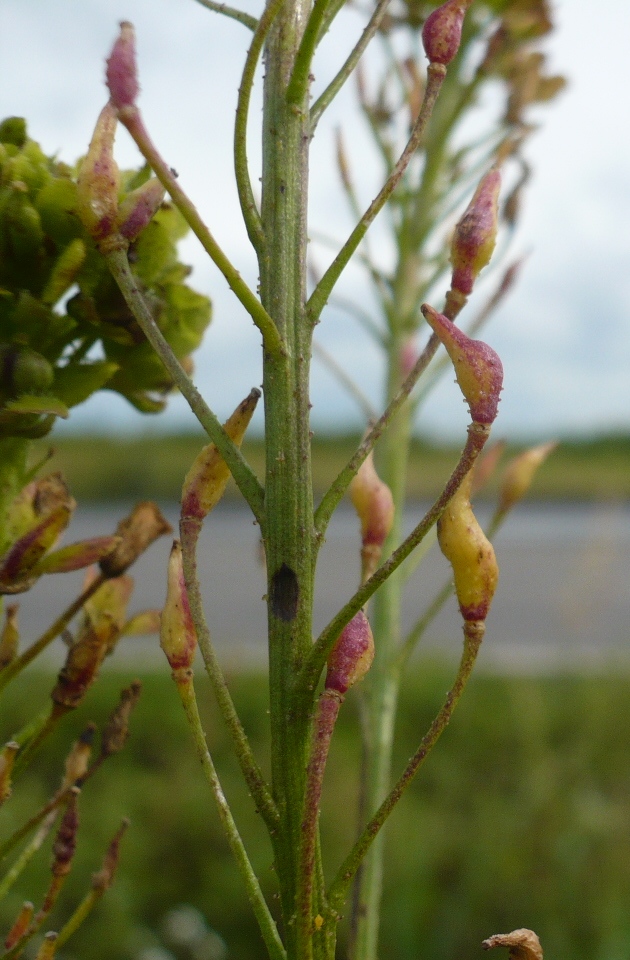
(288, 492)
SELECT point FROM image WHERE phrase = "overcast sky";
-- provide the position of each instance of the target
(564, 335)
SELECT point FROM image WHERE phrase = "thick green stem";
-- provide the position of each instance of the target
(288, 535)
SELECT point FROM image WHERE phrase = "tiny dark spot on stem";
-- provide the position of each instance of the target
(284, 594)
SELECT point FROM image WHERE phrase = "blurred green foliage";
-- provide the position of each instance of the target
(109, 468)
(520, 818)
(65, 330)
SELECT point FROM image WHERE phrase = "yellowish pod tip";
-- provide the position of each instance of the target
(178, 637)
(470, 553)
(205, 482)
(520, 473)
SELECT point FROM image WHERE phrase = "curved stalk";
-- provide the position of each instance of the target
(250, 22)
(245, 479)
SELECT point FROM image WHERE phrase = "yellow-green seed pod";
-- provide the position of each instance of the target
(178, 637)
(64, 272)
(7, 758)
(10, 636)
(98, 180)
(470, 553)
(519, 474)
(205, 482)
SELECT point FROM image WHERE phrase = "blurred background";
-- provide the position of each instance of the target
(521, 818)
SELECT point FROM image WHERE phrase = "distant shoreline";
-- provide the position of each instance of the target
(152, 465)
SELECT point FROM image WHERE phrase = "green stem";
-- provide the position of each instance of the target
(473, 634)
(299, 82)
(244, 476)
(234, 14)
(80, 914)
(477, 435)
(17, 665)
(333, 88)
(266, 923)
(132, 119)
(251, 216)
(251, 771)
(319, 297)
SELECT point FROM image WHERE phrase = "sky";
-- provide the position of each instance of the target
(563, 335)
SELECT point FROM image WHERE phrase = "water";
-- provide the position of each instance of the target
(563, 596)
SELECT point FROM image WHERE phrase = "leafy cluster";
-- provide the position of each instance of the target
(66, 330)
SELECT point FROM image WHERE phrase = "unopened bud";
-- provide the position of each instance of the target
(470, 554)
(48, 947)
(486, 465)
(98, 180)
(522, 944)
(10, 636)
(81, 668)
(79, 757)
(478, 369)
(103, 880)
(20, 926)
(475, 234)
(205, 482)
(76, 556)
(139, 207)
(121, 73)
(442, 31)
(178, 637)
(143, 623)
(7, 759)
(519, 474)
(352, 655)
(66, 839)
(372, 499)
(137, 532)
(116, 729)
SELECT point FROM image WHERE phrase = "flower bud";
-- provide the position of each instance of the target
(139, 207)
(121, 74)
(137, 532)
(66, 839)
(442, 31)
(10, 636)
(20, 926)
(352, 655)
(143, 623)
(523, 944)
(372, 499)
(478, 369)
(98, 180)
(519, 474)
(17, 567)
(7, 759)
(81, 668)
(116, 729)
(78, 759)
(207, 478)
(103, 880)
(470, 554)
(48, 946)
(178, 637)
(475, 234)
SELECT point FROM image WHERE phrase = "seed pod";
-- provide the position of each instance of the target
(178, 637)
(519, 474)
(20, 925)
(48, 947)
(139, 207)
(116, 729)
(10, 636)
(205, 482)
(77, 760)
(372, 499)
(442, 31)
(17, 568)
(121, 74)
(352, 655)
(137, 532)
(103, 880)
(66, 840)
(522, 944)
(7, 759)
(98, 180)
(475, 234)
(23, 370)
(470, 553)
(478, 369)
(81, 668)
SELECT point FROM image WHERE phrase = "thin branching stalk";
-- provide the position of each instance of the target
(244, 476)
(248, 21)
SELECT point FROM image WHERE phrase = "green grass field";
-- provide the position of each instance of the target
(521, 817)
(108, 468)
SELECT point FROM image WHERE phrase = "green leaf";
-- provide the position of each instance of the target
(75, 383)
(37, 404)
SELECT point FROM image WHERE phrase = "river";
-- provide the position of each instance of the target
(563, 598)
